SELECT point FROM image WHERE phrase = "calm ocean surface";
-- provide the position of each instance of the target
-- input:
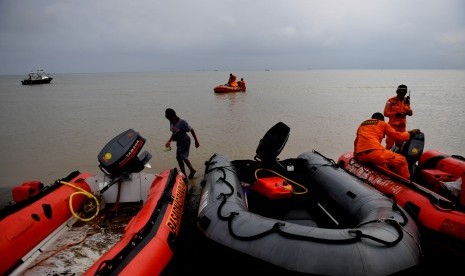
(48, 131)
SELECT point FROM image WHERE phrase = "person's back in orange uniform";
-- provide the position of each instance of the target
(368, 147)
(397, 109)
(232, 81)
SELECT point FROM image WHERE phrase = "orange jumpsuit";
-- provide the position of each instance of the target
(368, 148)
(232, 81)
(396, 110)
(242, 85)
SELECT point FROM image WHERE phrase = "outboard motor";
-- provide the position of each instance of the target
(412, 150)
(120, 156)
(271, 145)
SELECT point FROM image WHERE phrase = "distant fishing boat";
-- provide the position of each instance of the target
(37, 77)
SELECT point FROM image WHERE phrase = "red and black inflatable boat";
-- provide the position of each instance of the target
(434, 195)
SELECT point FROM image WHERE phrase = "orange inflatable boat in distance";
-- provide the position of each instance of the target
(227, 89)
(239, 86)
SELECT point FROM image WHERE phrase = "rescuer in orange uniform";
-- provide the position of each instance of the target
(397, 109)
(242, 85)
(368, 147)
(232, 81)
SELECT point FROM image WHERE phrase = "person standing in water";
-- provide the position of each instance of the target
(179, 129)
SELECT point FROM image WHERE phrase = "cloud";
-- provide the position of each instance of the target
(95, 36)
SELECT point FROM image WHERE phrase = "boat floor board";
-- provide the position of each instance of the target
(82, 244)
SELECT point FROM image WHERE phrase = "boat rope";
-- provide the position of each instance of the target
(81, 192)
(63, 248)
(396, 208)
(398, 226)
(357, 234)
(389, 221)
(229, 168)
(230, 217)
(417, 242)
(331, 162)
(305, 190)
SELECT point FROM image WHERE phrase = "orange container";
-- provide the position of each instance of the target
(273, 187)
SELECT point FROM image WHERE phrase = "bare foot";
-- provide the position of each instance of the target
(192, 174)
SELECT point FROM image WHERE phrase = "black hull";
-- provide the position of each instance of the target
(31, 82)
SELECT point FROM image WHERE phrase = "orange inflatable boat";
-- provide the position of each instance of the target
(435, 212)
(229, 89)
(25, 225)
(147, 244)
(123, 222)
(434, 194)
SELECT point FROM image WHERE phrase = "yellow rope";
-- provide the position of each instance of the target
(305, 190)
(81, 192)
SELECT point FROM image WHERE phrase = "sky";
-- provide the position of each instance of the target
(91, 36)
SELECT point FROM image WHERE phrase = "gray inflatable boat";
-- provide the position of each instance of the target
(304, 214)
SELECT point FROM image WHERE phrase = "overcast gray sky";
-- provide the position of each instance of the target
(86, 36)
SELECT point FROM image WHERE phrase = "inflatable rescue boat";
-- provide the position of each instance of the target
(304, 214)
(229, 89)
(122, 221)
(434, 196)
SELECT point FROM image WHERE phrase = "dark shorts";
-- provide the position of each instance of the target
(182, 148)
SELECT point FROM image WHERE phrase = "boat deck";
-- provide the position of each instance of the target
(79, 244)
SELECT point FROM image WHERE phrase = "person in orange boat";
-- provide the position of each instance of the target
(242, 85)
(232, 81)
(397, 109)
(368, 147)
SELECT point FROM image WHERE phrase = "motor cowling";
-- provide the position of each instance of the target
(121, 154)
(272, 143)
(413, 149)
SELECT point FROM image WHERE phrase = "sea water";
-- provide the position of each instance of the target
(47, 131)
